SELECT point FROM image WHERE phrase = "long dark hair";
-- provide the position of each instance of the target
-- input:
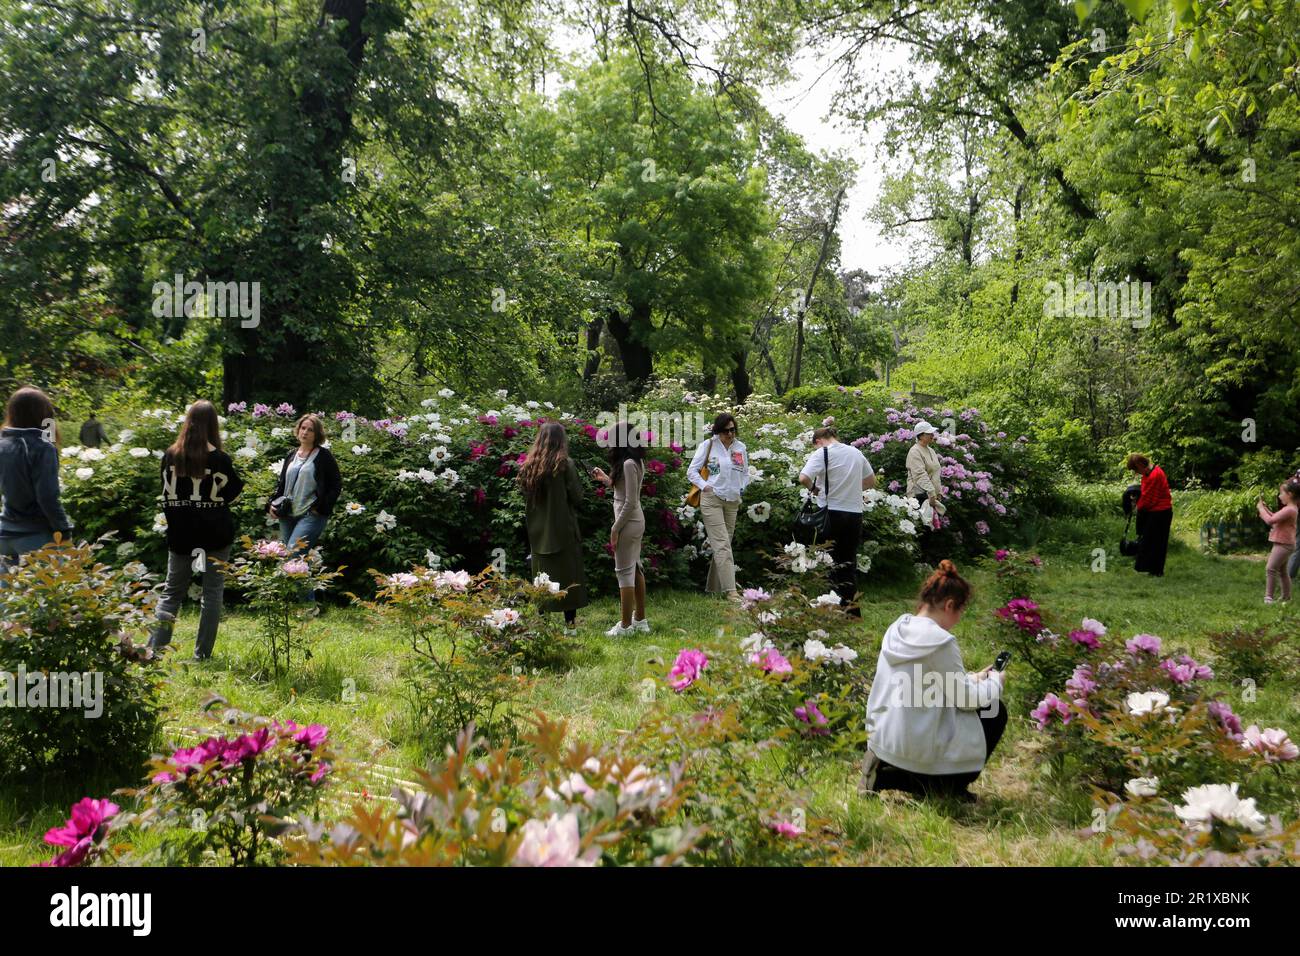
(190, 450)
(546, 457)
(626, 444)
(29, 407)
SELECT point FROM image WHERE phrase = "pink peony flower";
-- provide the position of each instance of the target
(296, 568)
(1049, 706)
(1273, 744)
(771, 661)
(1023, 613)
(786, 829)
(1143, 644)
(311, 736)
(1185, 669)
(1086, 639)
(687, 668)
(1229, 721)
(554, 843)
(1081, 684)
(810, 714)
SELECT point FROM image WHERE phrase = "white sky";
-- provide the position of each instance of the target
(805, 105)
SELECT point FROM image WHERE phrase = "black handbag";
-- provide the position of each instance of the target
(1127, 548)
(810, 522)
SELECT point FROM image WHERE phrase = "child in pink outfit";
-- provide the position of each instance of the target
(1282, 529)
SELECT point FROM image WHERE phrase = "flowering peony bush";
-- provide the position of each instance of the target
(229, 799)
(474, 639)
(276, 582)
(84, 835)
(563, 804)
(435, 485)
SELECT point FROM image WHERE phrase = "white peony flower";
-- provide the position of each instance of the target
(159, 523)
(502, 618)
(361, 449)
(92, 454)
(829, 599)
(906, 527)
(864, 564)
(755, 643)
(432, 560)
(543, 580)
(1150, 702)
(384, 522)
(760, 512)
(445, 393)
(1217, 801)
(1089, 624)
(1143, 786)
(353, 508)
(452, 478)
(242, 452)
(439, 454)
(85, 474)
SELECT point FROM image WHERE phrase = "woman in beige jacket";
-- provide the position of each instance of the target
(923, 479)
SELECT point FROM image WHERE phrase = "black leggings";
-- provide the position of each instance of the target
(889, 777)
(570, 617)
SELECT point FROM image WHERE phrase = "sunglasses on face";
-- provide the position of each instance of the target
(728, 431)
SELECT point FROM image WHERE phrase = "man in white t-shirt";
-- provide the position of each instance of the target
(839, 474)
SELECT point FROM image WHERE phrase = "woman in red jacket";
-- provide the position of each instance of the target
(1155, 514)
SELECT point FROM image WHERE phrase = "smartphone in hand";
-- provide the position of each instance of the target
(1002, 660)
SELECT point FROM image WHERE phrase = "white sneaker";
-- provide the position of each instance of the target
(642, 625)
(618, 630)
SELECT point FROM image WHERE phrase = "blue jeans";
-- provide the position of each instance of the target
(305, 531)
(13, 548)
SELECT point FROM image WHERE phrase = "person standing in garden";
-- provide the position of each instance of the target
(92, 433)
(720, 470)
(1281, 534)
(840, 474)
(920, 740)
(627, 470)
(924, 479)
(553, 494)
(308, 487)
(29, 477)
(1155, 515)
(199, 481)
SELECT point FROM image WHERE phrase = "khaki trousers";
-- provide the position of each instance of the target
(719, 519)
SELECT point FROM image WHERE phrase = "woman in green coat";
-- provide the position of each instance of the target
(552, 495)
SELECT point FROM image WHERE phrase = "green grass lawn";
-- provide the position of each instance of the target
(1018, 820)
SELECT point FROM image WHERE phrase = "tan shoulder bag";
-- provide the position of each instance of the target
(693, 496)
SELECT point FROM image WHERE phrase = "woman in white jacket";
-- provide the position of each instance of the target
(931, 726)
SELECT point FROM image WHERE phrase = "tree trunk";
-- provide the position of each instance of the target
(592, 365)
(740, 377)
(797, 358)
(637, 359)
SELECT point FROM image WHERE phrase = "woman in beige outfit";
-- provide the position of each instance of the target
(924, 481)
(625, 463)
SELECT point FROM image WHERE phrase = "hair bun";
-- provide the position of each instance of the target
(947, 567)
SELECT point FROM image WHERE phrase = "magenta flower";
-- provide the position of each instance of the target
(81, 831)
(1001, 554)
(1050, 706)
(320, 773)
(810, 714)
(1185, 669)
(285, 409)
(508, 432)
(589, 431)
(771, 661)
(982, 527)
(655, 466)
(1023, 613)
(687, 668)
(675, 447)
(1143, 644)
(311, 736)
(785, 828)
(1229, 721)
(477, 450)
(1086, 639)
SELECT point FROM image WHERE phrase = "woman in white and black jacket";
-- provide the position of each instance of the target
(308, 488)
(29, 477)
(199, 482)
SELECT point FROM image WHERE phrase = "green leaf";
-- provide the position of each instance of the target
(1138, 9)
(1083, 9)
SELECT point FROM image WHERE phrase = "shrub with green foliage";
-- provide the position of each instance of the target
(88, 700)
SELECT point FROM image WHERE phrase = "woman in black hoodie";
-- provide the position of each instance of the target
(199, 482)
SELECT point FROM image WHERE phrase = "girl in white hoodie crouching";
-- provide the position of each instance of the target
(931, 726)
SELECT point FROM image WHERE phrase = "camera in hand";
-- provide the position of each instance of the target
(282, 507)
